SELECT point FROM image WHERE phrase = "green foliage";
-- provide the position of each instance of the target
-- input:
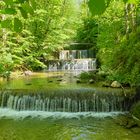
(118, 54)
(125, 64)
(17, 25)
(96, 77)
(98, 7)
(34, 31)
(10, 11)
(87, 33)
(6, 65)
(6, 24)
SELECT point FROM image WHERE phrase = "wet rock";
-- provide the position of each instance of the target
(59, 80)
(78, 81)
(27, 73)
(91, 81)
(137, 96)
(50, 81)
(115, 84)
(28, 84)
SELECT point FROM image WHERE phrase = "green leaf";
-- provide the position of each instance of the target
(23, 12)
(125, 1)
(97, 7)
(9, 11)
(27, 8)
(21, 1)
(9, 2)
(33, 4)
(108, 2)
(17, 25)
(133, 1)
(6, 23)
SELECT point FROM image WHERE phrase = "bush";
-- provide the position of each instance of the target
(123, 61)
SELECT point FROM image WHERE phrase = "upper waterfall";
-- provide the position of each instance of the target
(80, 60)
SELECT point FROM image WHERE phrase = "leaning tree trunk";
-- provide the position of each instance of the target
(4, 36)
(130, 18)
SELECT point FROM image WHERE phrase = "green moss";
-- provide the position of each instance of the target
(96, 77)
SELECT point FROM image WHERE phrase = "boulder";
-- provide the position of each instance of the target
(27, 73)
(59, 80)
(78, 81)
(115, 84)
(50, 81)
(91, 81)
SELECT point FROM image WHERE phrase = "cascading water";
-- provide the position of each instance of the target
(80, 60)
(83, 100)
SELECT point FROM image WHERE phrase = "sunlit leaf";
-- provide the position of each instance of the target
(10, 11)
(23, 12)
(125, 1)
(133, 1)
(27, 8)
(21, 1)
(6, 23)
(108, 2)
(33, 4)
(9, 2)
(17, 25)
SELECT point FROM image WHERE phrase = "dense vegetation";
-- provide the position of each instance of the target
(32, 32)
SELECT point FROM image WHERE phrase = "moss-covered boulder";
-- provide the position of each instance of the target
(135, 110)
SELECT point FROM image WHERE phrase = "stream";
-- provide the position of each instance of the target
(51, 106)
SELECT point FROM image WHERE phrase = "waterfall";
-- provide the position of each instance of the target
(79, 60)
(84, 100)
(76, 54)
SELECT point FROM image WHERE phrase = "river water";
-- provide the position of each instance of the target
(43, 125)
(63, 126)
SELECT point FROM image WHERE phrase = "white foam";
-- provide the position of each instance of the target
(8, 113)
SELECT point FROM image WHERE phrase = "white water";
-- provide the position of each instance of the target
(8, 113)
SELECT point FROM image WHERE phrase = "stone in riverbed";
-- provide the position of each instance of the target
(27, 73)
(28, 84)
(59, 80)
(115, 84)
(91, 81)
(78, 81)
(50, 81)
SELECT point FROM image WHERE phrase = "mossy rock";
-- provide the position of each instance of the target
(135, 110)
(136, 130)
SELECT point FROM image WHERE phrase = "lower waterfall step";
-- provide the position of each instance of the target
(76, 100)
(9, 113)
